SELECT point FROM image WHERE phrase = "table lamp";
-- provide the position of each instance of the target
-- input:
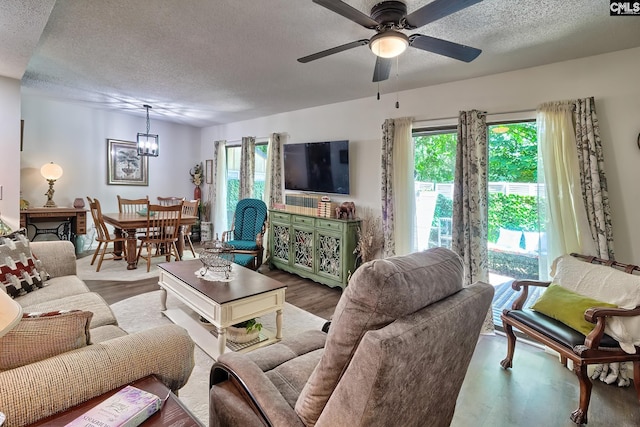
(51, 172)
(10, 313)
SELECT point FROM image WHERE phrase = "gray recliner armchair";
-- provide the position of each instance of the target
(396, 353)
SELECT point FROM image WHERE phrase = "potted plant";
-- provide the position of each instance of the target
(244, 332)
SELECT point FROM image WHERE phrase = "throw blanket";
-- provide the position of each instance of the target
(604, 284)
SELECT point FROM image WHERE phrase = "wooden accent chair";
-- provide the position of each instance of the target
(247, 231)
(598, 346)
(103, 235)
(396, 354)
(189, 207)
(169, 201)
(162, 233)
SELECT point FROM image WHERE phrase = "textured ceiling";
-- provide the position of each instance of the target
(202, 62)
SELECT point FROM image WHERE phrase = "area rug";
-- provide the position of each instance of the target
(143, 312)
(117, 270)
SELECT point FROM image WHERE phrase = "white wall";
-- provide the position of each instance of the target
(10, 150)
(610, 78)
(75, 137)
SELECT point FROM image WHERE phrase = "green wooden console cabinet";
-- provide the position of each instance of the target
(320, 249)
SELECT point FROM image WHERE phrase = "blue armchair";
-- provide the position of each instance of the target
(247, 231)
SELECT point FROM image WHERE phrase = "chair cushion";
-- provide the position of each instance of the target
(568, 307)
(243, 259)
(42, 335)
(379, 292)
(89, 301)
(555, 329)
(58, 287)
(606, 284)
(249, 219)
(20, 270)
(244, 245)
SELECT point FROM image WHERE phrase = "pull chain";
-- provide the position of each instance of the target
(378, 90)
(397, 82)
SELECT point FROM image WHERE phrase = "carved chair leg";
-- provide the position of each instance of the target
(511, 346)
(579, 416)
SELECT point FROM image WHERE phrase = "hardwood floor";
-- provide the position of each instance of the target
(537, 391)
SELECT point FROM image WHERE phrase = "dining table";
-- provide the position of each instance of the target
(127, 224)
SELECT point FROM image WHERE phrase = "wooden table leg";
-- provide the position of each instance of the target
(279, 324)
(117, 246)
(180, 242)
(222, 339)
(132, 254)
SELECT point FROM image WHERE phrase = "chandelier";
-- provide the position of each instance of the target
(147, 143)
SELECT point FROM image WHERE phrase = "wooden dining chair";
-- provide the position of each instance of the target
(162, 233)
(104, 238)
(189, 207)
(132, 205)
(169, 201)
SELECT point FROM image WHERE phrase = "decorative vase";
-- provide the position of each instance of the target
(197, 193)
(78, 203)
(206, 231)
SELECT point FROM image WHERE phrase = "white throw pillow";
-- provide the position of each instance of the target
(509, 239)
(605, 284)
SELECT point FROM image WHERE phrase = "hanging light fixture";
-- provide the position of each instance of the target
(389, 44)
(147, 143)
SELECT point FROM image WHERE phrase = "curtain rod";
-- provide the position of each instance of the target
(239, 141)
(488, 113)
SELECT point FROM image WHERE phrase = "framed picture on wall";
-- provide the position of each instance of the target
(125, 167)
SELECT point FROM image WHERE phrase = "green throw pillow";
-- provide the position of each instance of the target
(568, 307)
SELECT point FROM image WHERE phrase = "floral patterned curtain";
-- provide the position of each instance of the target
(273, 181)
(247, 167)
(273, 184)
(389, 247)
(592, 176)
(470, 200)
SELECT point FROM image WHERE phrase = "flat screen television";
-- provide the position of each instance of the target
(319, 167)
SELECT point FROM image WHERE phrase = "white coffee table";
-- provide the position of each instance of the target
(247, 295)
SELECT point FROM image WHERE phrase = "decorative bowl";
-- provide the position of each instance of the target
(217, 257)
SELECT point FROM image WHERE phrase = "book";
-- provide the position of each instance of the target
(129, 407)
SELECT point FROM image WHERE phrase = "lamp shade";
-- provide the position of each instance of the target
(51, 171)
(389, 44)
(10, 313)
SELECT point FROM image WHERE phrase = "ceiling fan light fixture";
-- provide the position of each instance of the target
(389, 44)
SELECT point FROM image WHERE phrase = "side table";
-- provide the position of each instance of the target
(173, 413)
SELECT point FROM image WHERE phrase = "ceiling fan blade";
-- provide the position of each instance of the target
(434, 11)
(341, 8)
(443, 47)
(382, 69)
(333, 50)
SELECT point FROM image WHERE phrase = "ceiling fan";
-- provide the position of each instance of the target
(387, 19)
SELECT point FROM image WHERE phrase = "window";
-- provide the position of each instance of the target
(435, 158)
(233, 175)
